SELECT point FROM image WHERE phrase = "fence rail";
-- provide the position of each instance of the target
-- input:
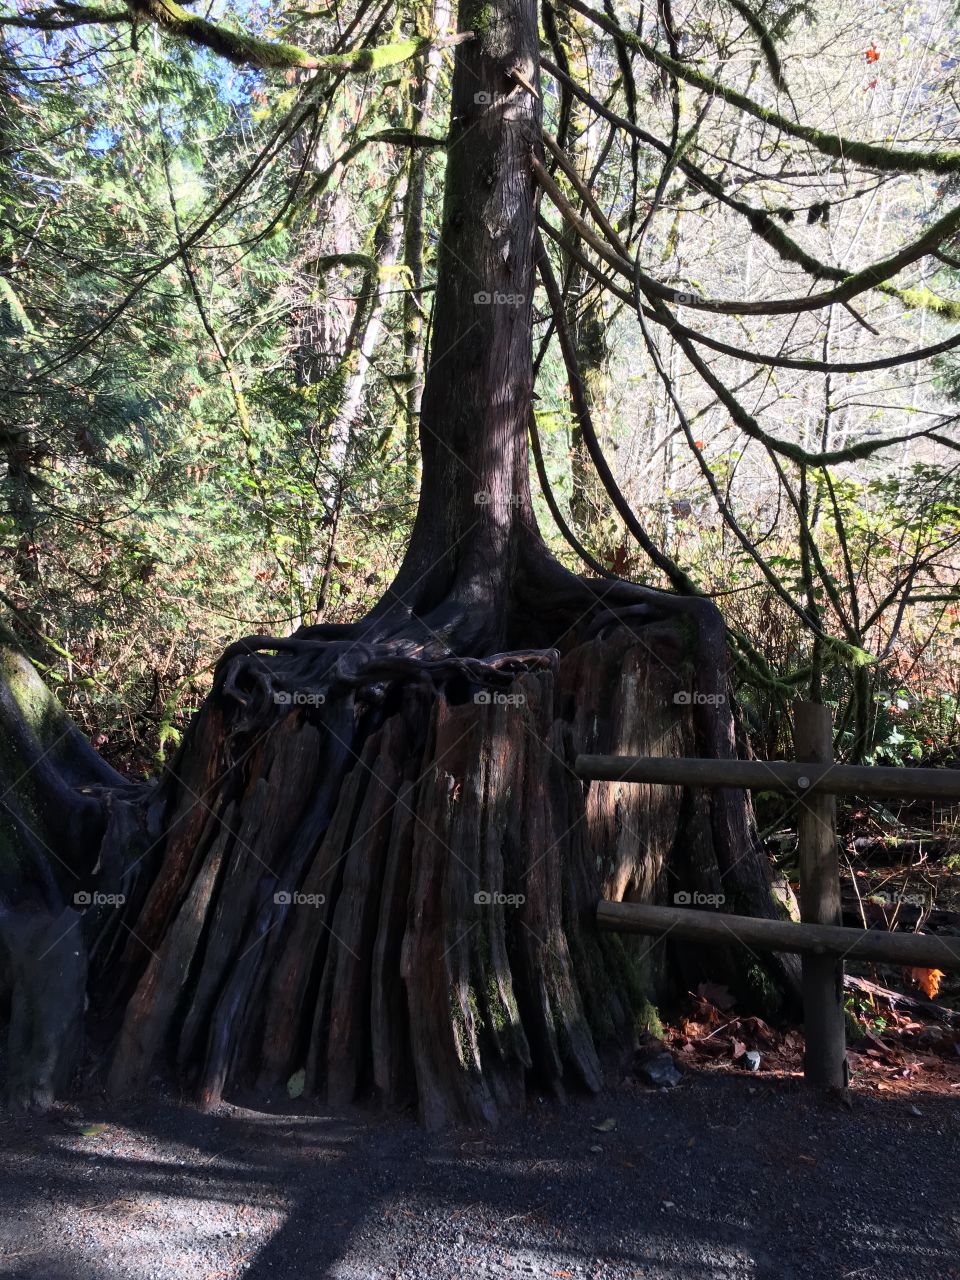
(920, 950)
(819, 938)
(776, 775)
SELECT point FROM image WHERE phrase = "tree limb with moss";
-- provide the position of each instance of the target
(238, 47)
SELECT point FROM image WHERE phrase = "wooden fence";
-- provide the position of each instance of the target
(820, 940)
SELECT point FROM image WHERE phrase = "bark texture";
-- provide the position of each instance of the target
(392, 890)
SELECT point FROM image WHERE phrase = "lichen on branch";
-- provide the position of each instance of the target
(871, 155)
(238, 47)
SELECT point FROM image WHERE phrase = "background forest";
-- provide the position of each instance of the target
(215, 317)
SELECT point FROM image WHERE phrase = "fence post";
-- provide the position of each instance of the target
(825, 1061)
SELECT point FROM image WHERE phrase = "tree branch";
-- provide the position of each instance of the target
(867, 278)
(762, 221)
(871, 155)
(237, 47)
(808, 364)
(680, 580)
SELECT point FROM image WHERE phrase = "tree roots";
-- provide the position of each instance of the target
(372, 872)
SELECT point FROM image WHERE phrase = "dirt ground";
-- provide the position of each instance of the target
(725, 1177)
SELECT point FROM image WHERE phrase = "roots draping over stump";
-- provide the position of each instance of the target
(371, 872)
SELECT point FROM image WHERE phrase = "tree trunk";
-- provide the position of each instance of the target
(426, 73)
(371, 862)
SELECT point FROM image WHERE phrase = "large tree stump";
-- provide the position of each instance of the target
(391, 888)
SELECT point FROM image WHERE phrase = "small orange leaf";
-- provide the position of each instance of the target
(872, 54)
(928, 980)
(620, 561)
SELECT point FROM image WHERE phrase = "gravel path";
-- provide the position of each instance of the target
(723, 1178)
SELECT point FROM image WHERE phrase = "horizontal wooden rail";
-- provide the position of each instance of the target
(923, 950)
(775, 775)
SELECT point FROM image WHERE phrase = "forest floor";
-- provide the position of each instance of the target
(726, 1177)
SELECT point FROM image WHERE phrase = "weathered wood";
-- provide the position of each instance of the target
(148, 1014)
(825, 1052)
(923, 950)
(341, 1026)
(267, 823)
(776, 775)
(307, 935)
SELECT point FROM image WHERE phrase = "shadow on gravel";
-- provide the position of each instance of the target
(717, 1180)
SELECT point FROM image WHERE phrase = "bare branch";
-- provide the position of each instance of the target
(871, 155)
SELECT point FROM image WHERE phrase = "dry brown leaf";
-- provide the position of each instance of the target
(705, 1011)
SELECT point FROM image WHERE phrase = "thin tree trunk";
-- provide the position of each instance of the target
(426, 70)
(366, 337)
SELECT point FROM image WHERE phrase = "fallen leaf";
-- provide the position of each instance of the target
(606, 1126)
(620, 562)
(760, 1029)
(296, 1084)
(739, 1049)
(928, 980)
(92, 1130)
